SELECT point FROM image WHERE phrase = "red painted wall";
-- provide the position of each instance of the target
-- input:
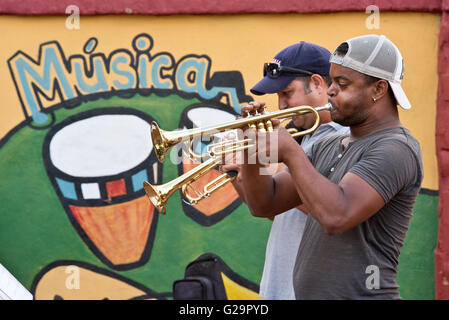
(442, 147)
(166, 7)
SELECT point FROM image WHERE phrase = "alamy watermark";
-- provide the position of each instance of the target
(373, 280)
(73, 20)
(73, 279)
(373, 20)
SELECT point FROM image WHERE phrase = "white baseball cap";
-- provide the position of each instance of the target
(376, 56)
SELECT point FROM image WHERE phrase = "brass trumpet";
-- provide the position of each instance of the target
(164, 140)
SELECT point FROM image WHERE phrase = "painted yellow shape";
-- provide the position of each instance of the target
(234, 291)
(77, 283)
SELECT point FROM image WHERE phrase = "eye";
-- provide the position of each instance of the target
(342, 84)
(287, 93)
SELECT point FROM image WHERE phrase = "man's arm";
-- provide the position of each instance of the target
(337, 207)
(238, 184)
(266, 195)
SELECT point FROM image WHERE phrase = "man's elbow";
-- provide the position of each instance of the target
(334, 220)
(260, 212)
(332, 231)
(256, 213)
(334, 227)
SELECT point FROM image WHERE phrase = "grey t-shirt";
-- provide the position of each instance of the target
(286, 233)
(361, 263)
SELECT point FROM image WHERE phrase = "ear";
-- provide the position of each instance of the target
(380, 89)
(317, 83)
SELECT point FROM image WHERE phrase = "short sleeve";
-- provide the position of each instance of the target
(390, 167)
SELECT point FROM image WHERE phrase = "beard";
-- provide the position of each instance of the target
(349, 115)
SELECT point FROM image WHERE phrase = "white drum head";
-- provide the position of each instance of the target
(101, 145)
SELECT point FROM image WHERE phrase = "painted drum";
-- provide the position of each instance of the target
(97, 162)
(222, 202)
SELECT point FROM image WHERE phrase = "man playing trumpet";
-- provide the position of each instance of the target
(299, 75)
(359, 189)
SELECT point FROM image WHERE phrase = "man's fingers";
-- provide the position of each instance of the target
(276, 123)
(229, 167)
(252, 108)
(229, 135)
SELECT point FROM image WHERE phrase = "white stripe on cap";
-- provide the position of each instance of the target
(375, 51)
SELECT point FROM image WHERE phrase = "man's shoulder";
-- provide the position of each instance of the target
(396, 137)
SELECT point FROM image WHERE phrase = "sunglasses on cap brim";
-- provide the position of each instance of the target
(273, 70)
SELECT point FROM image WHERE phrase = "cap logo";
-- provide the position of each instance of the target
(278, 62)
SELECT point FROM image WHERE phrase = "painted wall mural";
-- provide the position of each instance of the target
(93, 148)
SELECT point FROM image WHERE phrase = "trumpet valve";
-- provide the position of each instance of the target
(269, 125)
(261, 127)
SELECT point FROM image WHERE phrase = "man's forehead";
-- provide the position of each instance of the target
(291, 85)
(338, 71)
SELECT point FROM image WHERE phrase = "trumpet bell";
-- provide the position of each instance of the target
(154, 195)
(159, 141)
(159, 194)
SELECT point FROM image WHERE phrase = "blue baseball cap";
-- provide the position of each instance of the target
(303, 55)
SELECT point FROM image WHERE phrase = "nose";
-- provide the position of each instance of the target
(282, 104)
(331, 91)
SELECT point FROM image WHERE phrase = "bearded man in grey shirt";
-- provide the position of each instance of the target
(359, 189)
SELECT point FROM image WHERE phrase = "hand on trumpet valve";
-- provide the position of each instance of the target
(253, 108)
(258, 108)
